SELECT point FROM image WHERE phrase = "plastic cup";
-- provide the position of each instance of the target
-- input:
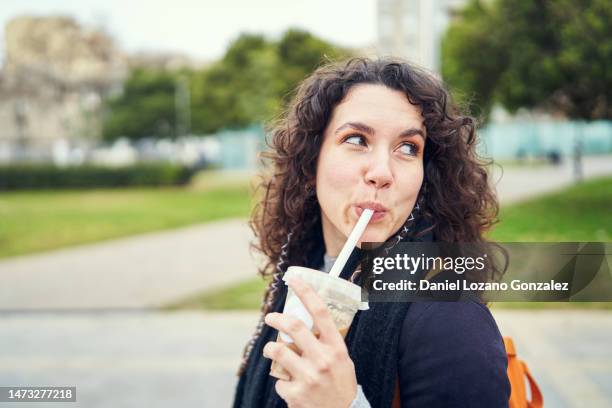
(343, 300)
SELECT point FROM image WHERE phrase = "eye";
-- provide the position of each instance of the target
(409, 148)
(358, 140)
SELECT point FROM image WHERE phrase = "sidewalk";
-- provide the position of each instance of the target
(143, 271)
(189, 359)
(518, 184)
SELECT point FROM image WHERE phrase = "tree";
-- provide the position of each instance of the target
(471, 63)
(533, 54)
(251, 82)
(299, 53)
(237, 90)
(248, 85)
(146, 108)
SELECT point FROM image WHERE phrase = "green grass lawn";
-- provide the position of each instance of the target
(579, 213)
(42, 220)
(243, 296)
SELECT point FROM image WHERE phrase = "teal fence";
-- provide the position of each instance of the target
(535, 139)
(500, 141)
(240, 148)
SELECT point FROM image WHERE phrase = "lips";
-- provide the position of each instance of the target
(380, 211)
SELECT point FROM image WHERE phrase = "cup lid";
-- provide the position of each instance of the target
(313, 276)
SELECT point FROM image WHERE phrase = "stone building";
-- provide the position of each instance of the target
(54, 78)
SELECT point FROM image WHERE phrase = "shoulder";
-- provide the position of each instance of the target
(446, 348)
(445, 322)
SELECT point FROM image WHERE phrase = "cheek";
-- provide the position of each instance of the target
(336, 182)
(338, 176)
(335, 176)
(412, 185)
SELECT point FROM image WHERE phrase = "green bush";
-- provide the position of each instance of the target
(45, 176)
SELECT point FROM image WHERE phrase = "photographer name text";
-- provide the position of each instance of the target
(463, 285)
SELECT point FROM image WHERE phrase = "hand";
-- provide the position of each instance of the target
(324, 375)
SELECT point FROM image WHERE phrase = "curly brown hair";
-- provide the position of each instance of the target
(456, 196)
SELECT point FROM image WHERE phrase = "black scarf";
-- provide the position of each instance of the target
(372, 342)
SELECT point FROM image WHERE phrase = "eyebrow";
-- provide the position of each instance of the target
(369, 130)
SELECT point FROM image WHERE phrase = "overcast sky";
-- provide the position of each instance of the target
(203, 28)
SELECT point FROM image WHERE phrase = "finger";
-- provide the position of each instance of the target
(286, 389)
(286, 357)
(321, 317)
(303, 338)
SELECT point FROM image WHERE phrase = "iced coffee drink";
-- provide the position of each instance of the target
(342, 298)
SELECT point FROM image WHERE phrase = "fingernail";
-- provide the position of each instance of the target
(268, 346)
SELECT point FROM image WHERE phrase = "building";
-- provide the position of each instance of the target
(54, 77)
(412, 29)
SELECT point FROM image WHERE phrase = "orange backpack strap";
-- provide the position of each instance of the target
(509, 344)
(536, 395)
(517, 371)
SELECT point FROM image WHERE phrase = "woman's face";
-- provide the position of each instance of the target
(371, 157)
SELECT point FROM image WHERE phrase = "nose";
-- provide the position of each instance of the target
(378, 173)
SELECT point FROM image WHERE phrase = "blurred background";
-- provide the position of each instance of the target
(129, 142)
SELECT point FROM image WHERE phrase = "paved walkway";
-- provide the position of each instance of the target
(136, 272)
(153, 269)
(189, 359)
(516, 183)
(125, 359)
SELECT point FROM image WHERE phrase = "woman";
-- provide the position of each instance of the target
(378, 134)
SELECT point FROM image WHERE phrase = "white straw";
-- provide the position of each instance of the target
(351, 242)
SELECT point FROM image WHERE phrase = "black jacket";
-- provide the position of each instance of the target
(451, 354)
